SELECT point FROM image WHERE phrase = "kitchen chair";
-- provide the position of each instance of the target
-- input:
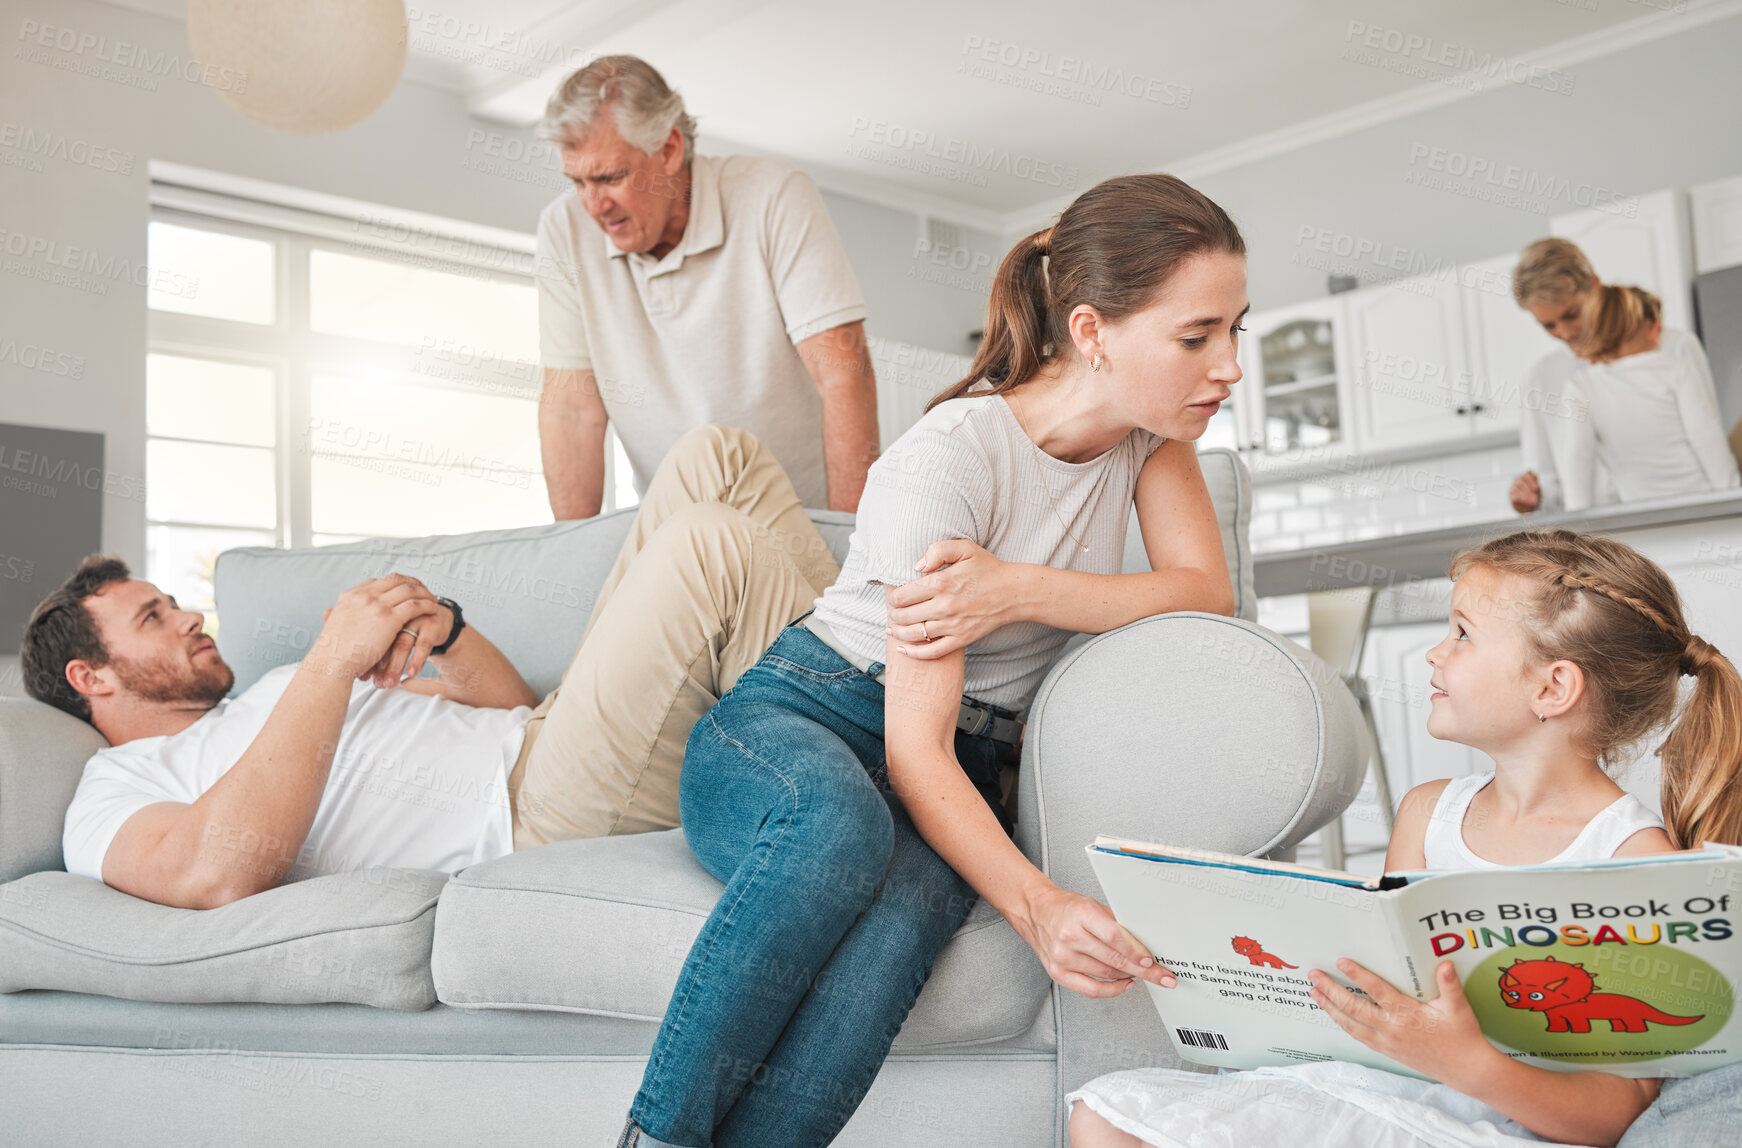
(1337, 622)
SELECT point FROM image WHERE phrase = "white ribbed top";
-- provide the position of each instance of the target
(1443, 847)
(967, 470)
(1652, 421)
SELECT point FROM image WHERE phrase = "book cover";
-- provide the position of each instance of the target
(1625, 965)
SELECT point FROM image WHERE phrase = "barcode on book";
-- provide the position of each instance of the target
(1202, 1038)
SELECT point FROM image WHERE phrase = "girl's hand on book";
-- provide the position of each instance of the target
(1084, 949)
(966, 593)
(1440, 1038)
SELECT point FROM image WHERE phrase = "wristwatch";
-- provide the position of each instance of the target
(459, 624)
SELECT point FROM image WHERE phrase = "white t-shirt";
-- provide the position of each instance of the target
(707, 333)
(966, 469)
(1547, 412)
(1652, 422)
(417, 782)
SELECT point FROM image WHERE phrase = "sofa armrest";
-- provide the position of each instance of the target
(1184, 729)
(42, 755)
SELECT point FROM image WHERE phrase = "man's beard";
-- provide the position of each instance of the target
(158, 681)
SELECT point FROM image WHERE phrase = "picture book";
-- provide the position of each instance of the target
(1626, 965)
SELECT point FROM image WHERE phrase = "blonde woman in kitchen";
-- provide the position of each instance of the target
(1555, 282)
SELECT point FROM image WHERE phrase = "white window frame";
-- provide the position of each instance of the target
(288, 347)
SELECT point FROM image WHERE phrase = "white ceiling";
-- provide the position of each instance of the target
(841, 86)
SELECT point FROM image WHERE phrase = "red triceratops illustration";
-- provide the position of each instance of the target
(1254, 952)
(1565, 994)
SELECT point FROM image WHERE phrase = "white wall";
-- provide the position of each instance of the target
(930, 292)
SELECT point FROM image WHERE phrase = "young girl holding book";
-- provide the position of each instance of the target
(1563, 650)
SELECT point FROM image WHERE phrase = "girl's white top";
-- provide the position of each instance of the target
(1444, 848)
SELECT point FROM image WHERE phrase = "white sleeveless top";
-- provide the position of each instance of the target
(1443, 846)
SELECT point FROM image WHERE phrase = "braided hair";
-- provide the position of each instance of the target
(1615, 614)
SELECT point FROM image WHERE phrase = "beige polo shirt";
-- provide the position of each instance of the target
(707, 334)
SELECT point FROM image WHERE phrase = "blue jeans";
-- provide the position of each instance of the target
(833, 911)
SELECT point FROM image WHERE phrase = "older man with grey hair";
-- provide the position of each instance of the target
(719, 293)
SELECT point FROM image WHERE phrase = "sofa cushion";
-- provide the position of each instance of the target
(603, 925)
(530, 589)
(42, 755)
(361, 937)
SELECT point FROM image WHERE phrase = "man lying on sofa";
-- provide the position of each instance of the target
(316, 768)
(200, 801)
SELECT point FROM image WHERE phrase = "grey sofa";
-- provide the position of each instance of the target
(515, 1002)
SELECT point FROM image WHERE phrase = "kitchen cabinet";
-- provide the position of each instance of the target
(1411, 368)
(1504, 342)
(1292, 396)
(1442, 358)
(1643, 241)
(1431, 361)
(1716, 210)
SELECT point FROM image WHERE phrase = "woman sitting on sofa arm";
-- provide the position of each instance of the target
(835, 789)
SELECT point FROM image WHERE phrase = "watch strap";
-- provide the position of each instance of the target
(454, 631)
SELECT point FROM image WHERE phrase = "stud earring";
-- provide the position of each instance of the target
(1094, 362)
(1541, 717)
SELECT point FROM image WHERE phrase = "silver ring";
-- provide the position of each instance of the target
(925, 631)
(413, 634)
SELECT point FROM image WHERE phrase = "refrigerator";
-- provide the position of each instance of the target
(1718, 313)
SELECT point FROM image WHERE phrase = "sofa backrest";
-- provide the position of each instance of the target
(530, 589)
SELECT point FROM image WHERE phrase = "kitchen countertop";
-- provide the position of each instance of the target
(1308, 462)
(1411, 555)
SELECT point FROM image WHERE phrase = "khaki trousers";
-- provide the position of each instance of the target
(721, 557)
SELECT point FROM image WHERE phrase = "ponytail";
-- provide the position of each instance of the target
(1113, 248)
(1015, 343)
(1702, 796)
(1614, 316)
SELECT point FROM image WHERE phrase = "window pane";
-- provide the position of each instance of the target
(220, 485)
(393, 458)
(359, 495)
(206, 399)
(418, 307)
(210, 273)
(179, 559)
(359, 415)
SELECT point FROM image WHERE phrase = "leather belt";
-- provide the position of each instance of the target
(976, 719)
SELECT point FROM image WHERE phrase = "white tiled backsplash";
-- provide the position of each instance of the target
(1361, 498)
